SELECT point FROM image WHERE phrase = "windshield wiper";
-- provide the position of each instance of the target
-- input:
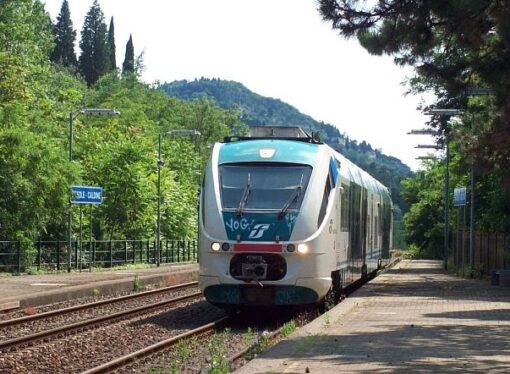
(244, 198)
(295, 194)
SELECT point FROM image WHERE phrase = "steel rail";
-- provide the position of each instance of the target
(147, 351)
(51, 313)
(89, 323)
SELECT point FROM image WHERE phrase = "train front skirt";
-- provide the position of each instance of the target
(278, 295)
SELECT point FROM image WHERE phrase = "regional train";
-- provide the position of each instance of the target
(285, 220)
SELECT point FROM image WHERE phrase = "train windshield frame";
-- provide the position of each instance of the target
(263, 187)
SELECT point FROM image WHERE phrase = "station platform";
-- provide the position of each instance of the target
(411, 318)
(34, 290)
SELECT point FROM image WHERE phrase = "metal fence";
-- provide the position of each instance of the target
(490, 251)
(55, 255)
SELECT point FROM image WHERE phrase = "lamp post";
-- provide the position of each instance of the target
(449, 113)
(72, 114)
(160, 163)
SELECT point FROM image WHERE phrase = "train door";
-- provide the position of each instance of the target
(386, 228)
(354, 249)
(337, 228)
(377, 228)
(343, 237)
(364, 229)
(371, 227)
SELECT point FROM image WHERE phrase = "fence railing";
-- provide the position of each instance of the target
(55, 255)
(490, 251)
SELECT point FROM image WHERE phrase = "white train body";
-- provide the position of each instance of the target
(284, 220)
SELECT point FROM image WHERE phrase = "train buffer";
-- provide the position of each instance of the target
(412, 318)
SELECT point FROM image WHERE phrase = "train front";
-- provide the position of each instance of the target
(254, 234)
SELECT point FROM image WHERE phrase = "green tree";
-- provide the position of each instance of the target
(34, 176)
(453, 45)
(424, 222)
(116, 153)
(111, 47)
(128, 66)
(25, 44)
(94, 59)
(34, 184)
(122, 171)
(65, 36)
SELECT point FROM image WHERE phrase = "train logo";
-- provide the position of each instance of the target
(258, 231)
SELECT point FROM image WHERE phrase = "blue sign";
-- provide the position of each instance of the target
(459, 196)
(86, 195)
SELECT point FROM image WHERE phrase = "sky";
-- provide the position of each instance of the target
(276, 48)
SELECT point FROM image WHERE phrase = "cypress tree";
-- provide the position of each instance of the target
(94, 61)
(65, 37)
(111, 47)
(128, 66)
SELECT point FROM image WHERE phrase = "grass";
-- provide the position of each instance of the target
(123, 267)
(248, 337)
(218, 360)
(288, 328)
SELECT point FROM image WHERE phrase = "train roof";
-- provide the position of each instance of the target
(359, 176)
(269, 150)
(277, 132)
(259, 145)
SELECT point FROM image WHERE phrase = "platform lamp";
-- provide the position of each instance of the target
(446, 113)
(160, 163)
(86, 112)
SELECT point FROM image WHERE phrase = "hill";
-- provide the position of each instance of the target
(257, 110)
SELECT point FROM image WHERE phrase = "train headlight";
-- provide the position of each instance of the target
(225, 247)
(215, 246)
(291, 248)
(302, 248)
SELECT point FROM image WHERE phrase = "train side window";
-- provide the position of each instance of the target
(325, 198)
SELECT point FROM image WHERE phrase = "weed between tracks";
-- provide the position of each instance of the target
(218, 360)
(211, 354)
(137, 285)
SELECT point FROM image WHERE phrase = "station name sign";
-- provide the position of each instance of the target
(86, 195)
(459, 196)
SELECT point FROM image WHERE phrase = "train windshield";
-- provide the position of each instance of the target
(278, 187)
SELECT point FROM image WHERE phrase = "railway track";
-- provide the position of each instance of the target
(89, 348)
(145, 342)
(121, 362)
(94, 322)
(52, 313)
(151, 349)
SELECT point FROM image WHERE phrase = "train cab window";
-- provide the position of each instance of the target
(263, 186)
(325, 198)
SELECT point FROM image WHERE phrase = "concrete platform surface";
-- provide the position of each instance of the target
(34, 290)
(413, 318)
